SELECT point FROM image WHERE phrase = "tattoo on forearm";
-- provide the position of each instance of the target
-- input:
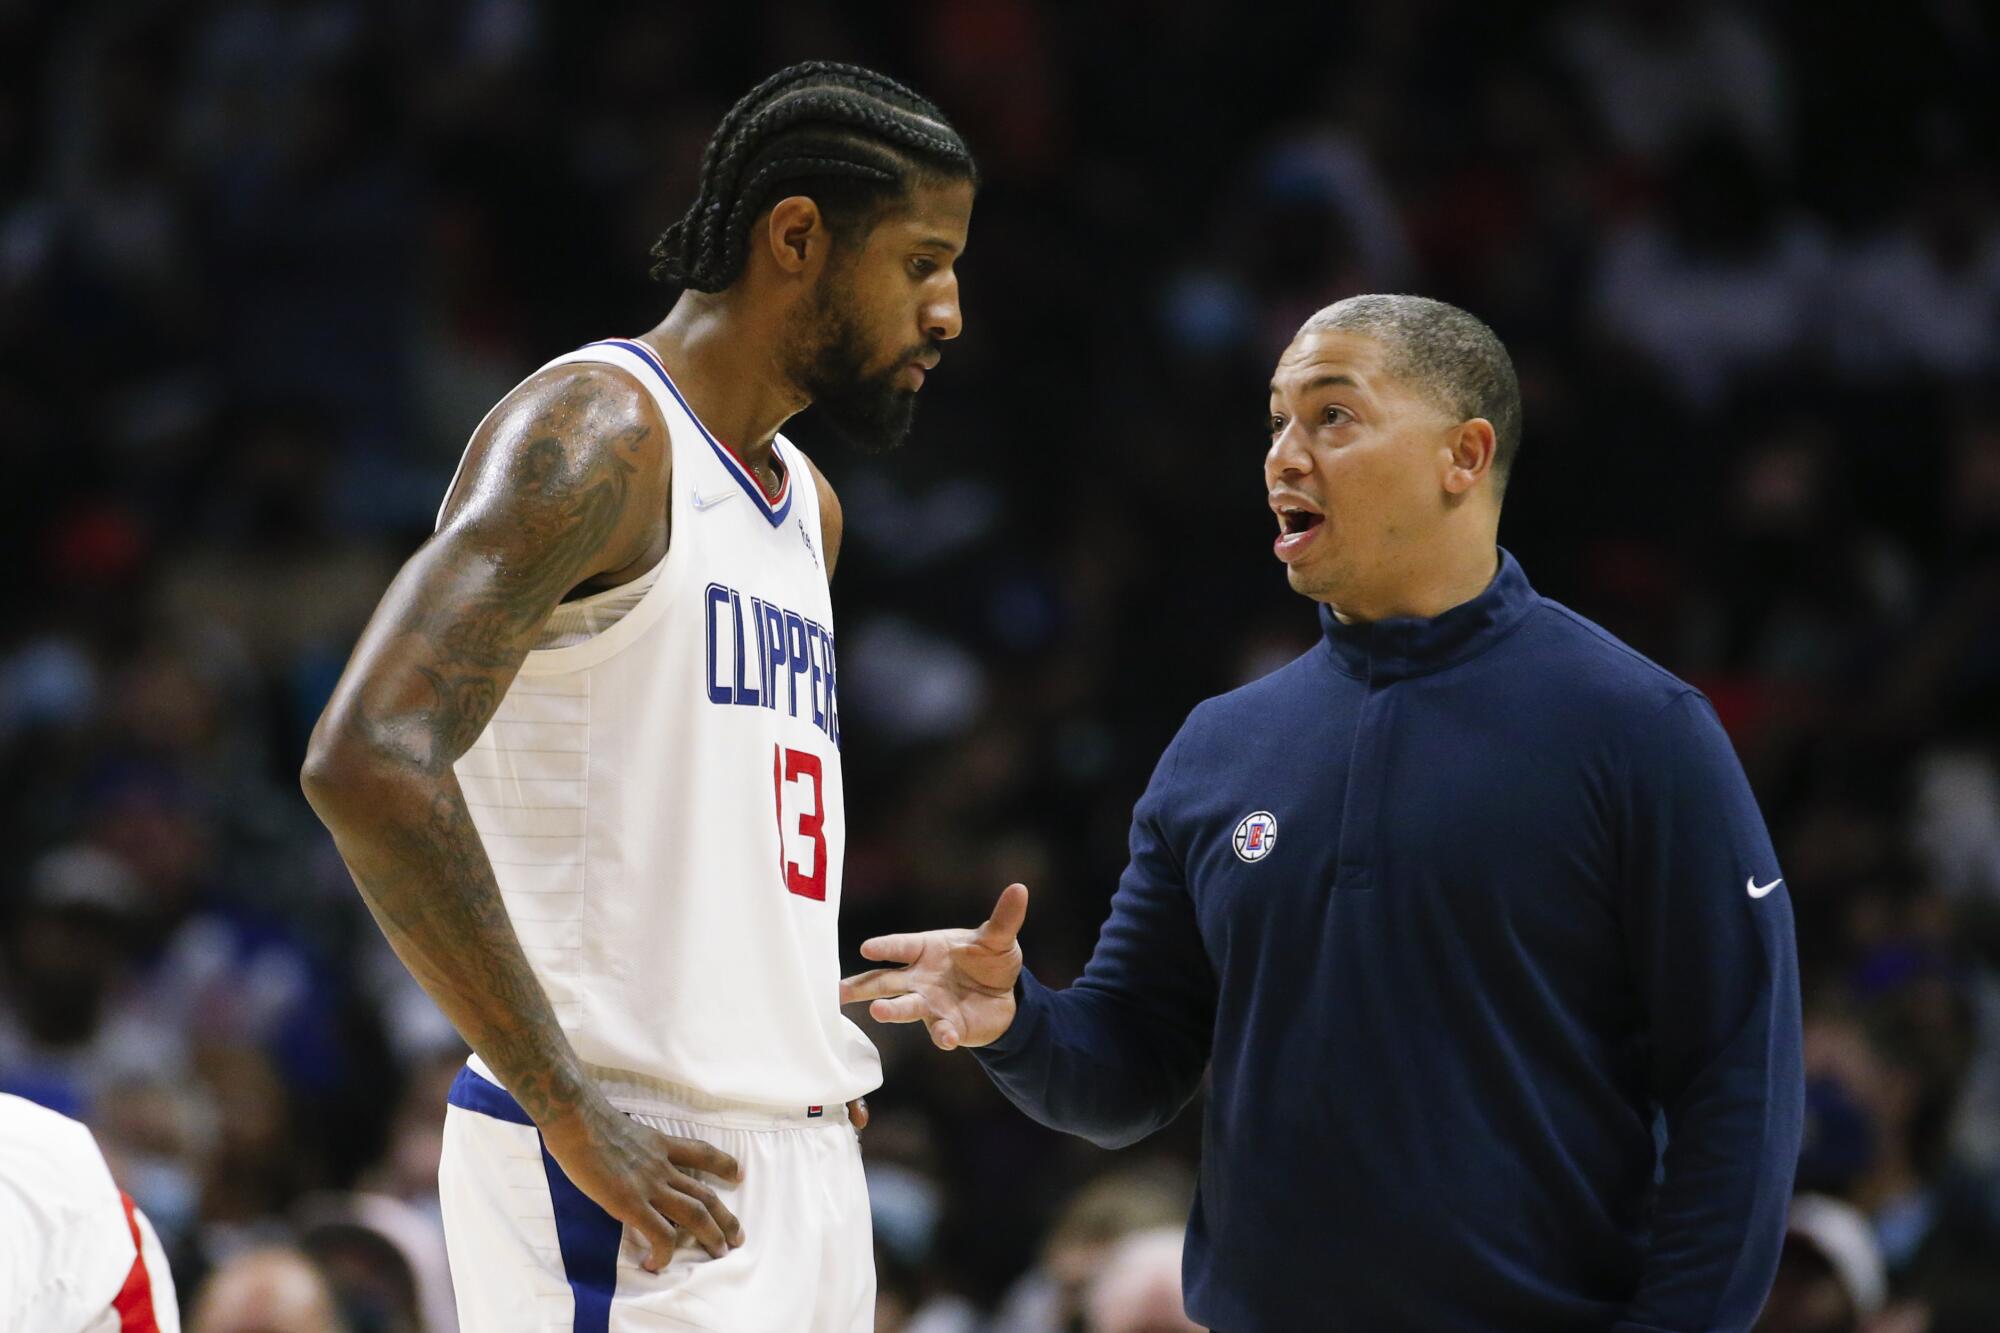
(431, 890)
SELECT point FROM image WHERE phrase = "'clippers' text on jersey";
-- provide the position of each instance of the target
(761, 655)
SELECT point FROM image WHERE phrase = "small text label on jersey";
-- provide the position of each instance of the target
(1759, 890)
(711, 501)
(1256, 836)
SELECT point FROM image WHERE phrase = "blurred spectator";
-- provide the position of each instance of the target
(1830, 1277)
(1924, 297)
(255, 1169)
(907, 1202)
(74, 1023)
(1139, 1288)
(158, 1136)
(1721, 280)
(1881, 1086)
(407, 1169)
(1053, 1295)
(267, 1291)
(384, 1259)
(1660, 70)
(1955, 826)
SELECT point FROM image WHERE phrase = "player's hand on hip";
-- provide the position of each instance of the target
(645, 1179)
(958, 983)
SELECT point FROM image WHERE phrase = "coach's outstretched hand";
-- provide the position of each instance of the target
(640, 1176)
(958, 983)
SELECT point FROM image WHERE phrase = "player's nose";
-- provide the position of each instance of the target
(941, 319)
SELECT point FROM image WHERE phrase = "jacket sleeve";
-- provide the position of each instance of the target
(1708, 927)
(1117, 1055)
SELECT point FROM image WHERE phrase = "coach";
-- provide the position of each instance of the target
(1469, 909)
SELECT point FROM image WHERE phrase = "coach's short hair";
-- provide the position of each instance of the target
(1445, 354)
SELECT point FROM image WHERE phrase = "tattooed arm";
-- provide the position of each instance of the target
(564, 484)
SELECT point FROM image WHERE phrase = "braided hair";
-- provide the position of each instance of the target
(848, 137)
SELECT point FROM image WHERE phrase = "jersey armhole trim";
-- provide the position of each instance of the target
(602, 645)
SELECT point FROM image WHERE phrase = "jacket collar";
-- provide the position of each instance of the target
(1411, 646)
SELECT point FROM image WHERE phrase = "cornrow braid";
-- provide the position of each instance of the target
(850, 138)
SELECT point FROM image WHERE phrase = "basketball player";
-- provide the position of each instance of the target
(75, 1255)
(584, 764)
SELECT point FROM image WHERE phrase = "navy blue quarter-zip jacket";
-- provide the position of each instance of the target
(1460, 912)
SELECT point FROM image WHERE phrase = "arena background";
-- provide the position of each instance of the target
(264, 264)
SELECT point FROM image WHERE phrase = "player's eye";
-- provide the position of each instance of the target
(1277, 424)
(922, 268)
(1334, 413)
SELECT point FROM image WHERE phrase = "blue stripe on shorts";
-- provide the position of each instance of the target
(587, 1235)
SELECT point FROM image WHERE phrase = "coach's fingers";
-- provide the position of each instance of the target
(901, 1009)
(1009, 914)
(661, 1237)
(944, 1033)
(894, 948)
(972, 959)
(879, 984)
(695, 1155)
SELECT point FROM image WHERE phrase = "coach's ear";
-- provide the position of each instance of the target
(1468, 455)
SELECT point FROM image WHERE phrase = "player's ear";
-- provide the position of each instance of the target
(796, 234)
(1470, 447)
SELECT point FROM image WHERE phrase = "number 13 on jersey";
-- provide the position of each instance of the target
(796, 771)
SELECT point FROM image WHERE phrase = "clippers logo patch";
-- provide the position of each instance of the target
(1256, 836)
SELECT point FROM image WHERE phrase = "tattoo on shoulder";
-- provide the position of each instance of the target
(559, 510)
(546, 508)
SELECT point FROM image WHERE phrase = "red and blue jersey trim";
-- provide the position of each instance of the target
(772, 507)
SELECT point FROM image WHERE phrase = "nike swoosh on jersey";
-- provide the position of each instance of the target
(711, 501)
(1759, 890)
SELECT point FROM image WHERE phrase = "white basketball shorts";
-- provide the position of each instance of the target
(529, 1251)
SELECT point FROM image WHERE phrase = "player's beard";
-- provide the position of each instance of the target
(871, 411)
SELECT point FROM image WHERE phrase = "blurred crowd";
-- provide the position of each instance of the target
(265, 263)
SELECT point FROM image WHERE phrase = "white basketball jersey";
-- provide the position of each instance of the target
(662, 800)
(67, 1241)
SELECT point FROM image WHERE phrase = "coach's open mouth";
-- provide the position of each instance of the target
(1299, 521)
(1294, 521)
